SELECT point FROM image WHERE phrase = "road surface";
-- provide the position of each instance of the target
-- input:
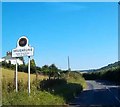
(98, 94)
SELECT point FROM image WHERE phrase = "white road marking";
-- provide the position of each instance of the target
(113, 94)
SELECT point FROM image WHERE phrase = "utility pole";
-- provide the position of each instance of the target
(69, 64)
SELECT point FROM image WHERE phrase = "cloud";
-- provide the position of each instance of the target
(65, 6)
(71, 6)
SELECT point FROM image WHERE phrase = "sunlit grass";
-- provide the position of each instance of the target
(62, 93)
(21, 97)
(35, 98)
(75, 77)
(9, 75)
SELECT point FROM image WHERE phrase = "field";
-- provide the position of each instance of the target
(53, 92)
(9, 75)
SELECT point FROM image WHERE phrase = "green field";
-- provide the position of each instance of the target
(8, 74)
(53, 94)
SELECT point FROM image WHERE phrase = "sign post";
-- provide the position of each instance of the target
(23, 49)
(16, 84)
(29, 75)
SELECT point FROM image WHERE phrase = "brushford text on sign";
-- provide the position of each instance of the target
(20, 52)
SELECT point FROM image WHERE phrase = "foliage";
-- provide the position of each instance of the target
(45, 69)
(43, 91)
(21, 68)
(111, 74)
(109, 66)
(75, 77)
(35, 98)
(32, 66)
(52, 71)
(49, 83)
(64, 89)
(70, 84)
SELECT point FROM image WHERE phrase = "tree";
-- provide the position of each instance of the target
(45, 69)
(39, 69)
(53, 70)
(8, 64)
(4, 63)
(32, 66)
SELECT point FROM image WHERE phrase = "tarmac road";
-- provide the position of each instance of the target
(98, 94)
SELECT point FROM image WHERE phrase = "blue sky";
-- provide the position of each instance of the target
(86, 32)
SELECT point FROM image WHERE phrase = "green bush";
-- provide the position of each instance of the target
(49, 83)
(61, 88)
(112, 74)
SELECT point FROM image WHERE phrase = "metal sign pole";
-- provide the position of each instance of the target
(16, 77)
(28, 75)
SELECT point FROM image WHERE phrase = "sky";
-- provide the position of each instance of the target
(60, 0)
(87, 32)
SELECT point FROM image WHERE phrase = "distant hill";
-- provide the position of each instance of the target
(110, 72)
(90, 70)
(105, 68)
(109, 66)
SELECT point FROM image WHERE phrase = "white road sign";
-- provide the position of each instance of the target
(23, 51)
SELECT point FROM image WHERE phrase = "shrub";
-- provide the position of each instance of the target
(49, 83)
(10, 86)
(61, 87)
(21, 85)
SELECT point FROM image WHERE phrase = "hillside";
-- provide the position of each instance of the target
(44, 91)
(105, 68)
(8, 74)
(109, 66)
(110, 72)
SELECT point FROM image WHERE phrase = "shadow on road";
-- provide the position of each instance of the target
(106, 82)
(104, 97)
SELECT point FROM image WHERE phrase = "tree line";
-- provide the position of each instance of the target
(50, 70)
(111, 74)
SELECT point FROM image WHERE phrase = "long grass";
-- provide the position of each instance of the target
(60, 94)
(9, 75)
(35, 98)
(10, 97)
